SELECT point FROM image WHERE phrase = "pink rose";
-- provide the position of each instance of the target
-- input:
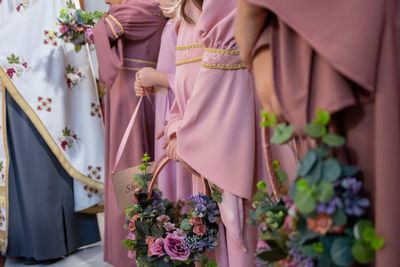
(150, 240)
(176, 248)
(156, 249)
(163, 218)
(199, 229)
(63, 29)
(195, 220)
(169, 226)
(131, 236)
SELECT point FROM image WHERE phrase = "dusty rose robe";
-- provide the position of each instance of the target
(344, 56)
(175, 182)
(127, 39)
(217, 129)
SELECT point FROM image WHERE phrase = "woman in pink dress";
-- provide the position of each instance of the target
(127, 39)
(216, 129)
(348, 66)
(175, 181)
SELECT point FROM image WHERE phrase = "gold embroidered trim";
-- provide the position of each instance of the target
(118, 23)
(129, 68)
(141, 61)
(189, 60)
(112, 28)
(223, 66)
(9, 85)
(4, 190)
(186, 47)
(222, 51)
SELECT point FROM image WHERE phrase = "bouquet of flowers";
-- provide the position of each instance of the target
(76, 25)
(161, 234)
(322, 220)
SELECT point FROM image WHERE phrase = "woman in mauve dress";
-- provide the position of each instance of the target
(175, 181)
(127, 39)
(216, 129)
(342, 56)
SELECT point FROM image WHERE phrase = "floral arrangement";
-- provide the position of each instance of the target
(322, 220)
(76, 25)
(161, 234)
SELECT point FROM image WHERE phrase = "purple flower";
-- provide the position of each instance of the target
(89, 35)
(330, 207)
(352, 184)
(156, 249)
(131, 254)
(176, 248)
(131, 236)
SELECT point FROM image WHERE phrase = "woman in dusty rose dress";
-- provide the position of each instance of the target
(175, 181)
(320, 61)
(127, 39)
(216, 125)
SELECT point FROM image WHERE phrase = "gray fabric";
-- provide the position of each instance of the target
(42, 221)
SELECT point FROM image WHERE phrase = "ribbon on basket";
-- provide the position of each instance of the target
(122, 180)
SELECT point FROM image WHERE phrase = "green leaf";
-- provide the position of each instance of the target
(359, 228)
(341, 251)
(282, 134)
(378, 243)
(276, 165)
(271, 255)
(156, 231)
(318, 247)
(142, 229)
(315, 130)
(339, 217)
(78, 48)
(315, 175)
(368, 234)
(307, 163)
(334, 140)
(302, 185)
(268, 120)
(282, 176)
(362, 253)
(331, 170)
(261, 185)
(325, 192)
(322, 117)
(305, 202)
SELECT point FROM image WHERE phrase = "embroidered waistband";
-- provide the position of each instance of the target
(136, 64)
(189, 54)
(222, 59)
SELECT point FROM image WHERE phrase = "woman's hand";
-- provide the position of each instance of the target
(249, 22)
(147, 77)
(171, 148)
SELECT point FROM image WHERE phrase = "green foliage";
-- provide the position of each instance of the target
(282, 134)
(341, 251)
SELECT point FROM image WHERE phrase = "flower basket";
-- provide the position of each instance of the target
(166, 233)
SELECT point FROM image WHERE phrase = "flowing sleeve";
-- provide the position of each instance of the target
(325, 54)
(134, 21)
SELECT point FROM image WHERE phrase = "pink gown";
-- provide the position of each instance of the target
(127, 39)
(350, 67)
(175, 181)
(217, 128)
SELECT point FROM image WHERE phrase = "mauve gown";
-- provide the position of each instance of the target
(217, 129)
(344, 56)
(127, 39)
(174, 181)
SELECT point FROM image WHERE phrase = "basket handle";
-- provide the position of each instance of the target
(160, 166)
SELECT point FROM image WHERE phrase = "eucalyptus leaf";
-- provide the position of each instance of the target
(271, 255)
(185, 225)
(315, 130)
(315, 175)
(339, 217)
(307, 163)
(331, 170)
(143, 229)
(282, 134)
(156, 231)
(362, 253)
(322, 117)
(349, 170)
(325, 192)
(341, 251)
(305, 202)
(334, 140)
